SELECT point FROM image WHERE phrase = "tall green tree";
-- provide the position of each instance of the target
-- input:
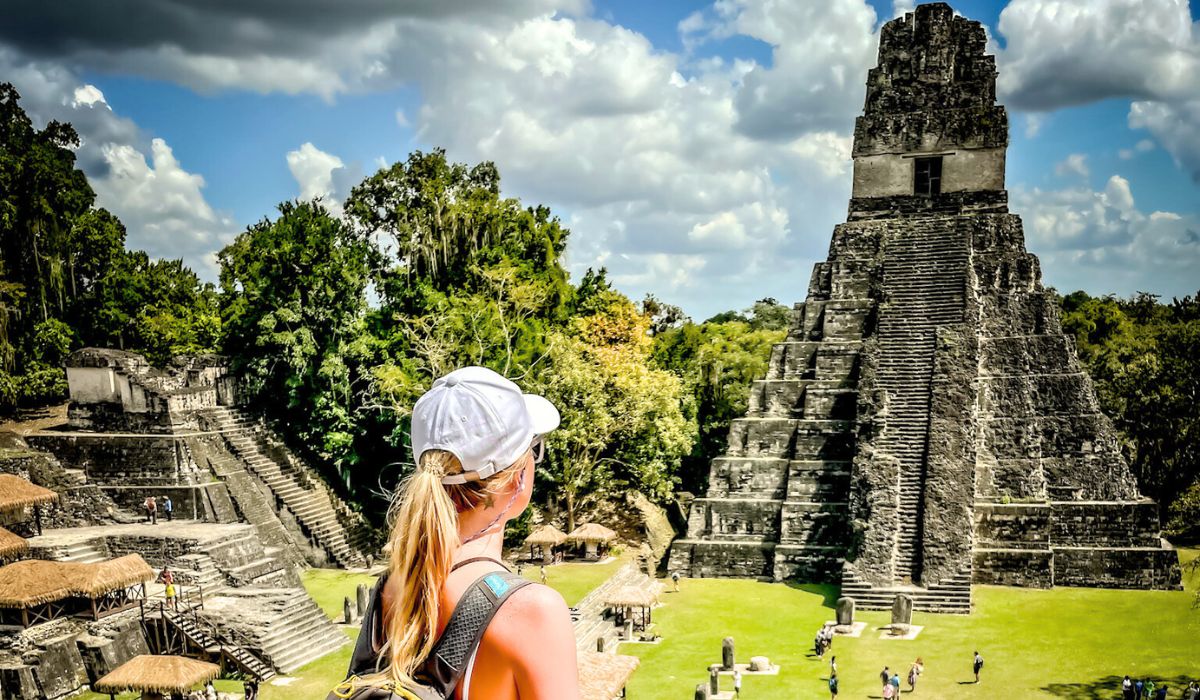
(293, 299)
(624, 422)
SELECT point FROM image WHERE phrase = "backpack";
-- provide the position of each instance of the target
(441, 672)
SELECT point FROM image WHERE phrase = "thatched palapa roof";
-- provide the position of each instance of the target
(546, 536)
(602, 676)
(17, 494)
(592, 532)
(632, 597)
(11, 544)
(35, 582)
(157, 674)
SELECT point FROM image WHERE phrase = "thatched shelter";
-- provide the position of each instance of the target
(627, 599)
(593, 537)
(543, 541)
(11, 545)
(17, 494)
(157, 676)
(603, 676)
(34, 590)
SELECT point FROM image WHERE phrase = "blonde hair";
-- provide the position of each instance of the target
(424, 539)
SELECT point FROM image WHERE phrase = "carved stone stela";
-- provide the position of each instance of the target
(926, 424)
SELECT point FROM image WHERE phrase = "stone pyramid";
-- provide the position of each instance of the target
(926, 424)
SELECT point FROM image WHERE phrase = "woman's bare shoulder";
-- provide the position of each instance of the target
(533, 610)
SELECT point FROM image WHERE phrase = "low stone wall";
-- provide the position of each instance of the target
(117, 459)
(1145, 568)
(1014, 567)
(704, 559)
(808, 564)
(189, 502)
(1012, 526)
(1072, 543)
(1100, 524)
(111, 417)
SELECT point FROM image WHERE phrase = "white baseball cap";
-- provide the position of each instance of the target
(482, 419)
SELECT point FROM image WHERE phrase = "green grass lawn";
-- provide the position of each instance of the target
(329, 587)
(574, 580)
(1068, 643)
(1064, 643)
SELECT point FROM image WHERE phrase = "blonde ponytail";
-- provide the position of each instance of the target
(424, 541)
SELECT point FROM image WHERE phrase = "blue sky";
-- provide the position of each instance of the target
(699, 150)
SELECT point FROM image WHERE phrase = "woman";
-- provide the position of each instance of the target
(475, 439)
(914, 673)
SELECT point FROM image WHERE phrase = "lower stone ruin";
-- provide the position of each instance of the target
(247, 515)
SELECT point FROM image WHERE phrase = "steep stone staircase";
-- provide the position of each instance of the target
(924, 287)
(253, 500)
(190, 627)
(317, 510)
(300, 633)
(950, 596)
(200, 571)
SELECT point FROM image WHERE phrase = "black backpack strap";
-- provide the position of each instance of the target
(448, 661)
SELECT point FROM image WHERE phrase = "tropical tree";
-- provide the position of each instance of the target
(623, 421)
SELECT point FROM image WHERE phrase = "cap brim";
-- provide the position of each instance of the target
(543, 416)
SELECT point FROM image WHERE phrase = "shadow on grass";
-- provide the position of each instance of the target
(829, 592)
(1110, 687)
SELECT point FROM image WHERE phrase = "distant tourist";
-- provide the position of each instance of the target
(833, 685)
(167, 507)
(885, 675)
(894, 681)
(1162, 692)
(819, 644)
(210, 691)
(737, 683)
(889, 691)
(675, 580)
(833, 665)
(914, 673)
(1127, 688)
(1192, 692)
(151, 510)
(1149, 688)
(977, 665)
(543, 571)
(1138, 686)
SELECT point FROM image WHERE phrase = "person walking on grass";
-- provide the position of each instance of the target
(1149, 689)
(737, 683)
(885, 676)
(977, 666)
(675, 580)
(1127, 688)
(833, 685)
(914, 673)
(895, 683)
(889, 692)
(833, 665)
(543, 572)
